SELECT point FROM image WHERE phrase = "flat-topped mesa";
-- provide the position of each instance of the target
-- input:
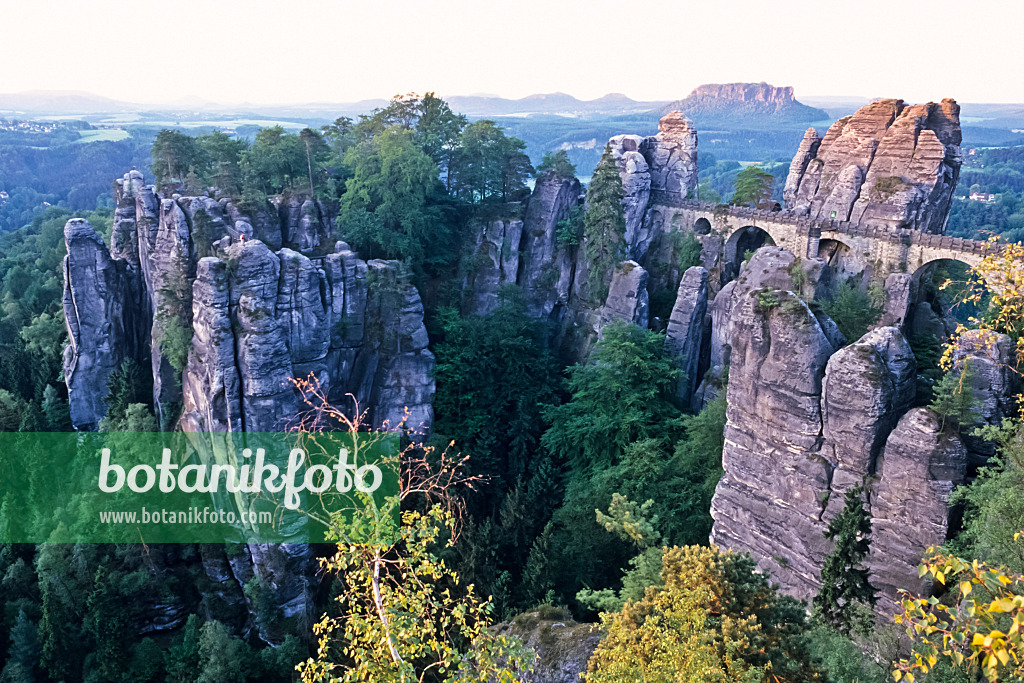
(226, 316)
(745, 92)
(888, 164)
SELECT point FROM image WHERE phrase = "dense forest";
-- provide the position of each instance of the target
(591, 485)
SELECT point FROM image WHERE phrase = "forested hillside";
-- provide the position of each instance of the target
(587, 364)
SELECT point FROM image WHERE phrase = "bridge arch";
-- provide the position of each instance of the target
(946, 304)
(742, 240)
(702, 226)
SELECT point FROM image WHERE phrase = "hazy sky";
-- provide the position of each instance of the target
(339, 50)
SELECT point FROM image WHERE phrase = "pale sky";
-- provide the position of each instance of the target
(278, 51)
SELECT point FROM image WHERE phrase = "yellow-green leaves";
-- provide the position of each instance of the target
(979, 623)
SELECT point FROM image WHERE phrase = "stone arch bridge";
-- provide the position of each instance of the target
(883, 249)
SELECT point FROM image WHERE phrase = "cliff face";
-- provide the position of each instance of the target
(257, 317)
(888, 163)
(191, 280)
(745, 92)
(810, 417)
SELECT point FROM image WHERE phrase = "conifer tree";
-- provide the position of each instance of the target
(604, 227)
(844, 578)
(954, 399)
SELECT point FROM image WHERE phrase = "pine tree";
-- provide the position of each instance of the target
(604, 227)
(844, 579)
(954, 399)
(24, 652)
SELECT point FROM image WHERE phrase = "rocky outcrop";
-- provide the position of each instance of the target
(888, 164)
(398, 367)
(920, 467)
(190, 267)
(672, 156)
(636, 187)
(772, 496)
(868, 385)
(805, 153)
(97, 316)
(247, 319)
(563, 647)
(684, 338)
(546, 271)
(212, 394)
(900, 293)
(494, 263)
(627, 296)
(994, 382)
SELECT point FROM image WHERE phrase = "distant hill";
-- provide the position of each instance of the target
(745, 103)
(60, 101)
(557, 103)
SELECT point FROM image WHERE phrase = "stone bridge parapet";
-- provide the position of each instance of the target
(887, 249)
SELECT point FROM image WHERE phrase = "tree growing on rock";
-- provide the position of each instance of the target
(753, 188)
(604, 226)
(844, 578)
(557, 164)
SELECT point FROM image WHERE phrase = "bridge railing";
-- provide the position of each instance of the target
(815, 227)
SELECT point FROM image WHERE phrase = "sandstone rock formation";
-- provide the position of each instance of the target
(686, 333)
(887, 164)
(96, 299)
(920, 467)
(672, 156)
(546, 274)
(775, 478)
(868, 385)
(742, 102)
(258, 315)
(995, 384)
(494, 263)
(636, 186)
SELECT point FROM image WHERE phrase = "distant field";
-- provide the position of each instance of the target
(102, 135)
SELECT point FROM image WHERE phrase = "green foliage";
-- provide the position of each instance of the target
(715, 618)
(846, 594)
(994, 501)
(387, 209)
(604, 226)
(622, 395)
(689, 250)
(954, 400)
(753, 187)
(489, 165)
(556, 163)
(768, 299)
(975, 630)
(403, 615)
(852, 310)
(494, 375)
(175, 342)
(842, 659)
(927, 351)
(569, 230)
(174, 153)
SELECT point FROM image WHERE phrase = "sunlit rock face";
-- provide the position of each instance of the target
(888, 164)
